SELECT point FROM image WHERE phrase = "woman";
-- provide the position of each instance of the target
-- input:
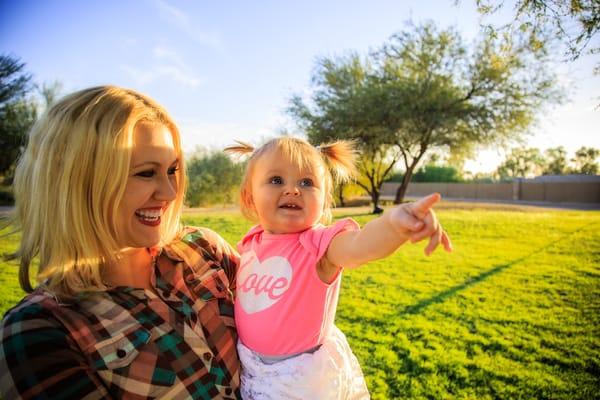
(129, 304)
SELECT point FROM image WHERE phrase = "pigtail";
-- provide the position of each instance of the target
(240, 149)
(341, 156)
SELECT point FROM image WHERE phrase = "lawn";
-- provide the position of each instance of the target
(513, 313)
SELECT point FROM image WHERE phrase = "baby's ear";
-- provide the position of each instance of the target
(247, 199)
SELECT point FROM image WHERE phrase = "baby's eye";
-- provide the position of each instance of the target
(306, 182)
(149, 173)
(276, 180)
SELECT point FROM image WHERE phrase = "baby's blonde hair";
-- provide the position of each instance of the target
(337, 159)
(70, 181)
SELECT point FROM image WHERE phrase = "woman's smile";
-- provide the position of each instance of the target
(149, 216)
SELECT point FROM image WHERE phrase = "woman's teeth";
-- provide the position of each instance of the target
(149, 216)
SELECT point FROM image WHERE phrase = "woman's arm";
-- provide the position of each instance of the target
(38, 360)
(382, 236)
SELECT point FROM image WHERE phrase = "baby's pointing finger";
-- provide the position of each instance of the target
(422, 206)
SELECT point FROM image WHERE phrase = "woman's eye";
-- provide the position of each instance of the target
(306, 182)
(276, 180)
(173, 170)
(146, 174)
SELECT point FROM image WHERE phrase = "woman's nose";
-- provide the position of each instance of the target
(166, 189)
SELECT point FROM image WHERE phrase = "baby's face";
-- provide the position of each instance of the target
(286, 199)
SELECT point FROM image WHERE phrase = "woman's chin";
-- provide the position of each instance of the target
(141, 240)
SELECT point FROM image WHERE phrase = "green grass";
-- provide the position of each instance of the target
(513, 313)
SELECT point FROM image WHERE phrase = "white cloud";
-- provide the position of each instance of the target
(161, 52)
(169, 65)
(173, 72)
(179, 75)
(182, 21)
(139, 77)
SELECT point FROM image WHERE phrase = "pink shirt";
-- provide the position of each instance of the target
(282, 307)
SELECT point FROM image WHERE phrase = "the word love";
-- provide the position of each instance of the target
(261, 284)
(268, 284)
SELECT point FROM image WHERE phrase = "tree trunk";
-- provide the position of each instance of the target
(340, 194)
(375, 199)
(401, 191)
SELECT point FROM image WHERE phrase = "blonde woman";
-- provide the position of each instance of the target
(128, 304)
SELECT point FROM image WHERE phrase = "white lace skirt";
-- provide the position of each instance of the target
(331, 372)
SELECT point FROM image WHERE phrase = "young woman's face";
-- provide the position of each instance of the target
(151, 186)
(285, 198)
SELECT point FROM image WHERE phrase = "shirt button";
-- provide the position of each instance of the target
(121, 353)
(207, 356)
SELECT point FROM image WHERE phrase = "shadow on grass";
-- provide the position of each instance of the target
(415, 367)
(442, 296)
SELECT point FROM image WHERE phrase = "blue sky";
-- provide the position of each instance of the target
(226, 70)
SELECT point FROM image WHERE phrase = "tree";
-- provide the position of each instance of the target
(17, 112)
(424, 90)
(375, 165)
(50, 92)
(344, 103)
(345, 190)
(521, 163)
(586, 160)
(213, 178)
(556, 161)
(573, 22)
(449, 97)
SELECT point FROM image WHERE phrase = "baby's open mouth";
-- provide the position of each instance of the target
(291, 206)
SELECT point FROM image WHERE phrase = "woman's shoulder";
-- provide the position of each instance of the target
(199, 238)
(39, 301)
(35, 311)
(199, 234)
(195, 241)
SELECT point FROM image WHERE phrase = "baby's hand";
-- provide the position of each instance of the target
(417, 221)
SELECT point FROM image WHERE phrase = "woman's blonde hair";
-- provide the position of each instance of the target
(70, 181)
(337, 159)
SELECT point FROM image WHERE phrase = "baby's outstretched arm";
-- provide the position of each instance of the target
(382, 236)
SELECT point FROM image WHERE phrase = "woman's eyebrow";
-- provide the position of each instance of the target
(155, 163)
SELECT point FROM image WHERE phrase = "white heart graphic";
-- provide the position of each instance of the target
(261, 284)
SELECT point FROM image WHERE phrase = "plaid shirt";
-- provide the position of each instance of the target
(129, 343)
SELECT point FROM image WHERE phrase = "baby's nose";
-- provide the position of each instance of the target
(292, 191)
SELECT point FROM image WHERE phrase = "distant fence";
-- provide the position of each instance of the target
(519, 190)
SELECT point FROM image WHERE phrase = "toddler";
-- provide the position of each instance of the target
(291, 263)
